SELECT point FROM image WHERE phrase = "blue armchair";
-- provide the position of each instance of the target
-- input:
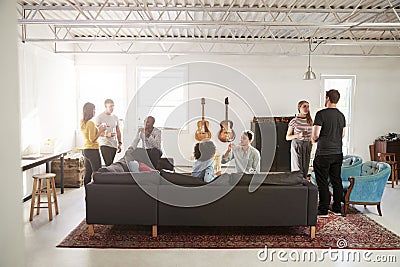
(367, 187)
(351, 166)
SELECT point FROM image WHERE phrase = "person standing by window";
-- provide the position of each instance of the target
(90, 148)
(110, 140)
(328, 132)
(299, 131)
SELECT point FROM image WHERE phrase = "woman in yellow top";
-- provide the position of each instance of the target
(91, 147)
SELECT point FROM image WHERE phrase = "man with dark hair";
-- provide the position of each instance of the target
(151, 139)
(110, 141)
(328, 132)
(150, 135)
(203, 167)
(247, 158)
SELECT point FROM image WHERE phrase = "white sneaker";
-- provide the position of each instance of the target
(336, 213)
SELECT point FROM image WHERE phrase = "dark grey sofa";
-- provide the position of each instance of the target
(283, 199)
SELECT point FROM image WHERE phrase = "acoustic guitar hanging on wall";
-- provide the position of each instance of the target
(203, 131)
(226, 134)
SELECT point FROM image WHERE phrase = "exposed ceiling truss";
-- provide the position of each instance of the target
(225, 27)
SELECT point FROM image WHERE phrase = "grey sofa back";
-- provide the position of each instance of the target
(268, 206)
(283, 199)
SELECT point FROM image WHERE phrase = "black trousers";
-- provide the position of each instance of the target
(329, 166)
(92, 163)
(108, 154)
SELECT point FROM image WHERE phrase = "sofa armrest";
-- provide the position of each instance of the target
(312, 202)
(120, 204)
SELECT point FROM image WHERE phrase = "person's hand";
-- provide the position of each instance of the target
(110, 134)
(102, 128)
(230, 146)
(303, 134)
(218, 173)
(119, 148)
(140, 130)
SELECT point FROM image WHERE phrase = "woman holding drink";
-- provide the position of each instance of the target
(299, 131)
(90, 135)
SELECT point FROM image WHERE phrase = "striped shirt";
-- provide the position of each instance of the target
(300, 125)
(153, 141)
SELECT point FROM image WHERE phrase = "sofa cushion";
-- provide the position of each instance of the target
(369, 168)
(347, 162)
(146, 178)
(223, 179)
(119, 166)
(144, 168)
(284, 178)
(180, 179)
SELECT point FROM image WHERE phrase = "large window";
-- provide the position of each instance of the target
(346, 86)
(97, 83)
(163, 95)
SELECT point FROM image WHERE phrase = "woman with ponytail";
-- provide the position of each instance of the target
(91, 147)
(299, 131)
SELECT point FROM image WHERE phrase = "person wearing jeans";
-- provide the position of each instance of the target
(328, 131)
(91, 147)
(110, 140)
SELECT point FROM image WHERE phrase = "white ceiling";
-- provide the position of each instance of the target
(226, 27)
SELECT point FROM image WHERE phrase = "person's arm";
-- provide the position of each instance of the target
(137, 139)
(290, 135)
(256, 162)
(155, 139)
(315, 133)
(228, 156)
(98, 123)
(344, 132)
(93, 132)
(318, 122)
(209, 174)
(118, 138)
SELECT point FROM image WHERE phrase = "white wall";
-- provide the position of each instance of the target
(280, 80)
(48, 102)
(11, 230)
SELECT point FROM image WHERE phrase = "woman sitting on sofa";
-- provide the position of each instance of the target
(203, 167)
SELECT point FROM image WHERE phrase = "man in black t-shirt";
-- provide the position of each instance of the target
(328, 131)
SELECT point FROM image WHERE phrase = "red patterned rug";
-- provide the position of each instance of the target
(356, 231)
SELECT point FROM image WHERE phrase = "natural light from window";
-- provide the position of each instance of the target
(169, 99)
(96, 84)
(345, 85)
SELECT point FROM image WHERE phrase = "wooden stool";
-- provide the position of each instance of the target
(37, 191)
(390, 158)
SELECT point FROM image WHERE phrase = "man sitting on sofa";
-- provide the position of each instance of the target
(247, 158)
(133, 157)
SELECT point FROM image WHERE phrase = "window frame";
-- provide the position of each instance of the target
(185, 99)
(349, 117)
